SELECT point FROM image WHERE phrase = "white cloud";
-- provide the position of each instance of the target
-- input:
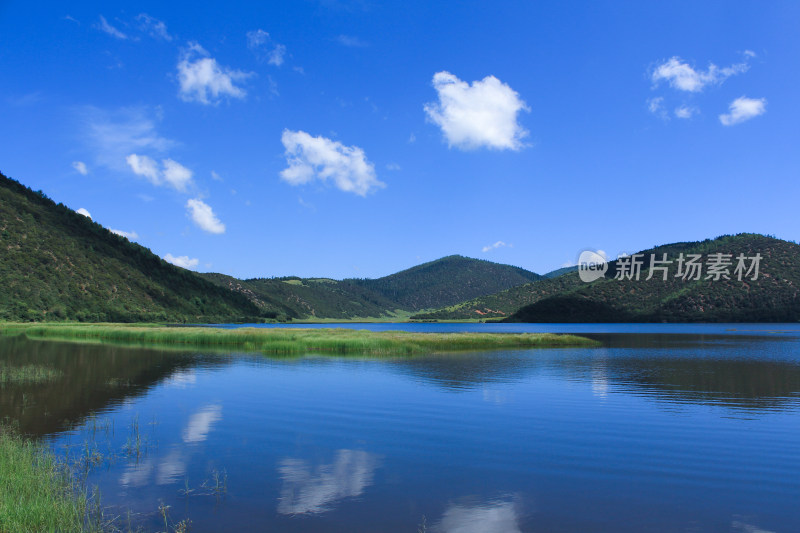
(498, 244)
(204, 80)
(177, 175)
(318, 158)
(392, 166)
(685, 111)
(182, 261)
(154, 27)
(83, 212)
(141, 165)
(682, 76)
(80, 166)
(261, 44)
(204, 216)
(104, 26)
(172, 173)
(351, 41)
(743, 109)
(276, 55)
(113, 135)
(215, 176)
(130, 235)
(481, 114)
(656, 106)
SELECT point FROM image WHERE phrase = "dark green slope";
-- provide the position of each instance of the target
(441, 282)
(446, 281)
(773, 297)
(56, 264)
(309, 298)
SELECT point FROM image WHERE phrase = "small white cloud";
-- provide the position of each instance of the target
(183, 261)
(318, 158)
(682, 76)
(204, 80)
(80, 166)
(130, 235)
(276, 55)
(177, 175)
(498, 244)
(104, 26)
(685, 111)
(83, 212)
(743, 109)
(141, 165)
(656, 107)
(412, 139)
(215, 176)
(481, 114)
(172, 173)
(393, 166)
(351, 41)
(261, 44)
(154, 27)
(202, 215)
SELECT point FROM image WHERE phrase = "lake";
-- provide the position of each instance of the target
(665, 427)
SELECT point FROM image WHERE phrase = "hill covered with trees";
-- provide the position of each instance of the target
(772, 296)
(434, 284)
(58, 265)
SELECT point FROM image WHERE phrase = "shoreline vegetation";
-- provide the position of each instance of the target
(37, 492)
(293, 341)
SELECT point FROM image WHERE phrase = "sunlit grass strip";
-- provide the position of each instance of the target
(36, 492)
(299, 341)
(27, 374)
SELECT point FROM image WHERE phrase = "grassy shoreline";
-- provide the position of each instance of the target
(289, 341)
(36, 492)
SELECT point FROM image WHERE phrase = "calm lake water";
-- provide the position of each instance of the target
(665, 428)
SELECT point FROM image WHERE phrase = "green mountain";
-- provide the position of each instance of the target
(58, 265)
(446, 281)
(293, 297)
(442, 282)
(774, 296)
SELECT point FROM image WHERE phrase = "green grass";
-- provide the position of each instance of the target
(27, 374)
(288, 341)
(37, 494)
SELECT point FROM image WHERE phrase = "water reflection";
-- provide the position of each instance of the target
(167, 467)
(498, 516)
(750, 373)
(308, 489)
(200, 423)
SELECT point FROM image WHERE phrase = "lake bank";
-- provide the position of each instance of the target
(279, 341)
(37, 493)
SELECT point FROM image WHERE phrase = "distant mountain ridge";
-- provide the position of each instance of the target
(58, 265)
(773, 297)
(441, 282)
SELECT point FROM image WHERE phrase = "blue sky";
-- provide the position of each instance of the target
(355, 139)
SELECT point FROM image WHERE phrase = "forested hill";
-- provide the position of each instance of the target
(773, 297)
(56, 264)
(446, 281)
(293, 297)
(434, 284)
